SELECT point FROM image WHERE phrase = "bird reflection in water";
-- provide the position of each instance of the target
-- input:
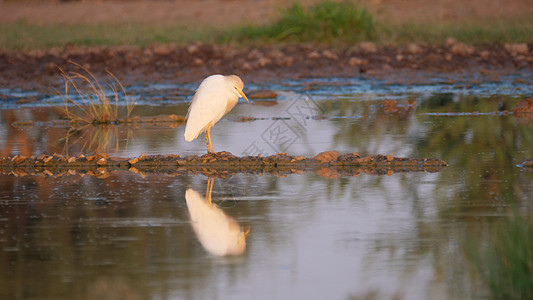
(218, 233)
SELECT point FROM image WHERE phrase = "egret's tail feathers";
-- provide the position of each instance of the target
(190, 134)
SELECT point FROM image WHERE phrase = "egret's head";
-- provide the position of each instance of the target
(237, 85)
(237, 245)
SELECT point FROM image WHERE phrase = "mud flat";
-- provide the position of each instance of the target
(330, 164)
(182, 64)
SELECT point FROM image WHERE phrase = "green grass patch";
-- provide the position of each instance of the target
(26, 36)
(338, 24)
(479, 32)
(324, 22)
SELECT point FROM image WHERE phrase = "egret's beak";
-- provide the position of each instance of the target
(243, 95)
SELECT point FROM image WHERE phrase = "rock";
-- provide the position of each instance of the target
(197, 61)
(287, 62)
(192, 49)
(51, 68)
(263, 61)
(313, 55)
(163, 49)
(349, 157)
(275, 54)
(517, 49)
(330, 55)
(462, 49)
(414, 48)
(254, 54)
(524, 106)
(104, 155)
(484, 54)
(450, 41)
(327, 157)
(246, 66)
(354, 61)
(368, 47)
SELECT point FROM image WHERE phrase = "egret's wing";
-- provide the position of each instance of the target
(207, 107)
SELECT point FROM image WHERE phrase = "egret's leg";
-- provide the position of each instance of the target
(210, 141)
(209, 192)
(207, 139)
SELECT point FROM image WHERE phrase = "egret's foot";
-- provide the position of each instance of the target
(216, 154)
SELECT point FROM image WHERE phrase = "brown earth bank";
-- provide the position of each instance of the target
(327, 164)
(181, 64)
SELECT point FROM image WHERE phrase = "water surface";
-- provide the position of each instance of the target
(411, 235)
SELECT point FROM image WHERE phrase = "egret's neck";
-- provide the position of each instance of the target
(232, 101)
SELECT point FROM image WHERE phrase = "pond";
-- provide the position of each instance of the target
(447, 234)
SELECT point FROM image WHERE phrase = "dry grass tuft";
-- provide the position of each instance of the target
(97, 106)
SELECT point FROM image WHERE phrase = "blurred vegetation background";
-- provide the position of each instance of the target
(43, 24)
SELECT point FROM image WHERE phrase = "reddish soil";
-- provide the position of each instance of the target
(178, 64)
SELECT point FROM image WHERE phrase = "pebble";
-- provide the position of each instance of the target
(355, 61)
(313, 55)
(517, 49)
(197, 61)
(462, 49)
(414, 48)
(367, 47)
(163, 49)
(330, 55)
(450, 41)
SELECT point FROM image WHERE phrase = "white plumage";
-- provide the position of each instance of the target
(216, 96)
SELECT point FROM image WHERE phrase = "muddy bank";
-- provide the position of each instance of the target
(327, 164)
(181, 64)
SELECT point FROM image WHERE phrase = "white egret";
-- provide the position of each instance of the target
(218, 233)
(215, 97)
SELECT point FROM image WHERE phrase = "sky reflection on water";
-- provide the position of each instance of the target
(410, 235)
